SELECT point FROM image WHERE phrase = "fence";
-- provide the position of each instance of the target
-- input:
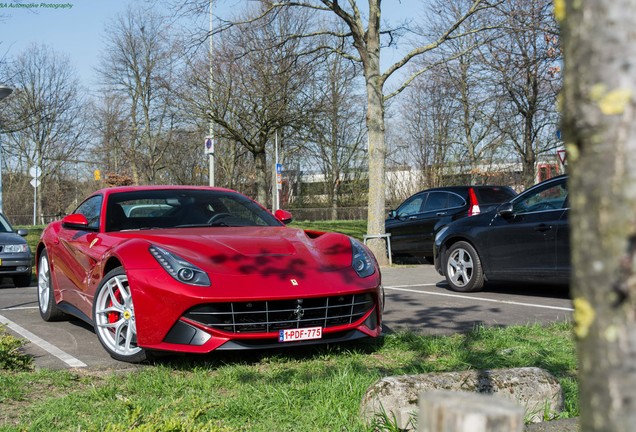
(24, 219)
(325, 213)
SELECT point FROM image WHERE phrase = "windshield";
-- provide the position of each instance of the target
(182, 208)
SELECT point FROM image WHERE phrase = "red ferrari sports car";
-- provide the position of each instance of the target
(197, 269)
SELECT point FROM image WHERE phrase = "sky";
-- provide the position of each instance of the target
(76, 27)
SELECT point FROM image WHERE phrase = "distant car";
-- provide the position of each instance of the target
(414, 224)
(525, 240)
(196, 269)
(15, 254)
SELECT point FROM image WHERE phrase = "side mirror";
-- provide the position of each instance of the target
(22, 232)
(505, 210)
(392, 214)
(75, 221)
(284, 216)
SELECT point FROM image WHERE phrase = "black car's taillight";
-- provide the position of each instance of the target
(473, 208)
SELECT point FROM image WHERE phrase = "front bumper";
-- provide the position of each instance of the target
(15, 265)
(171, 316)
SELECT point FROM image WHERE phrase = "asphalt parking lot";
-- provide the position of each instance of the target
(417, 299)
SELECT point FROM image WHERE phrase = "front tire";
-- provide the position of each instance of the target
(464, 272)
(46, 296)
(114, 318)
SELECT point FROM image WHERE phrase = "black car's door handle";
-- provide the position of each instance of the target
(440, 214)
(543, 228)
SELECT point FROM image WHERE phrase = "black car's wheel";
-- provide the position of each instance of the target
(114, 318)
(22, 280)
(46, 298)
(463, 268)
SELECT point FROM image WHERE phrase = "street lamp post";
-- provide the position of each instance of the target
(4, 93)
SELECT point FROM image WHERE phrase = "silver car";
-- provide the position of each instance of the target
(15, 254)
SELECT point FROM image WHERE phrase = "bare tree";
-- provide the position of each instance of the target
(430, 109)
(521, 63)
(257, 89)
(338, 136)
(600, 136)
(46, 113)
(139, 65)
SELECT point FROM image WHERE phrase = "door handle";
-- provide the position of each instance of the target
(440, 214)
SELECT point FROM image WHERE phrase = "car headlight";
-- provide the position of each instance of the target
(180, 269)
(15, 248)
(361, 261)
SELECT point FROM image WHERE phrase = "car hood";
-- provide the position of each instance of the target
(253, 249)
(11, 238)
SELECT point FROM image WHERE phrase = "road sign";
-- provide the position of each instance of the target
(279, 168)
(562, 156)
(34, 172)
(35, 182)
(209, 145)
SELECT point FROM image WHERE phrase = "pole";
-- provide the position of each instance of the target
(211, 170)
(35, 195)
(276, 169)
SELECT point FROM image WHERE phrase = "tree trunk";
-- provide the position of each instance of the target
(375, 128)
(600, 134)
(260, 161)
(377, 151)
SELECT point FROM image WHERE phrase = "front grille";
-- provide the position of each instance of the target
(275, 315)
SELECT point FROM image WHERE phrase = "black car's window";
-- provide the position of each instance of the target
(494, 195)
(91, 209)
(5, 226)
(550, 197)
(180, 208)
(455, 201)
(436, 201)
(412, 206)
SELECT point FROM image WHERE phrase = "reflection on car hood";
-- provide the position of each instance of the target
(11, 238)
(231, 250)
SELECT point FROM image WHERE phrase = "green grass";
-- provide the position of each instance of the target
(314, 389)
(354, 228)
(297, 390)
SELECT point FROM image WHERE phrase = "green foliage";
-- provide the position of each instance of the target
(11, 356)
(311, 389)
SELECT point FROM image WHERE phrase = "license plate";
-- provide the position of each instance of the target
(301, 334)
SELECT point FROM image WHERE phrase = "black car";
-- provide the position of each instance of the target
(526, 239)
(15, 254)
(414, 224)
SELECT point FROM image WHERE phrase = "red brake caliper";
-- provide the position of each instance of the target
(113, 317)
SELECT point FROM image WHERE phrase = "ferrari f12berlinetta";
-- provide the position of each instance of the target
(197, 269)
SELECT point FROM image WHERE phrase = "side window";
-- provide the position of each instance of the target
(436, 201)
(455, 200)
(91, 208)
(412, 206)
(550, 197)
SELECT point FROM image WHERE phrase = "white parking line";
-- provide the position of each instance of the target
(404, 288)
(52, 349)
(20, 308)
